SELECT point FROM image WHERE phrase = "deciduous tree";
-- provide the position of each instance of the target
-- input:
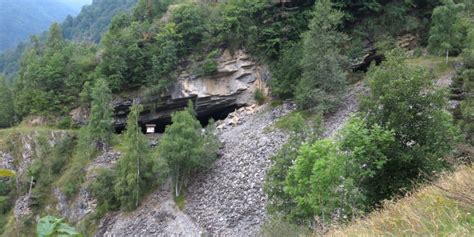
(446, 31)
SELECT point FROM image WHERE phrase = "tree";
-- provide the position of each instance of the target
(182, 146)
(136, 170)
(446, 30)
(148, 10)
(367, 151)
(286, 73)
(403, 99)
(279, 201)
(7, 112)
(100, 121)
(318, 183)
(323, 79)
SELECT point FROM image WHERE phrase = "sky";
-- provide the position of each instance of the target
(76, 4)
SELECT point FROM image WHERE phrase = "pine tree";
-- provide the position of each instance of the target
(323, 78)
(7, 113)
(445, 33)
(100, 121)
(183, 147)
(136, 169)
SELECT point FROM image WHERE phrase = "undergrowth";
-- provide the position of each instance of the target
(445, 208)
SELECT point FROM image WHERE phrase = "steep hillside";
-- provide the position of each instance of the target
(20, 19)
(444, 208)
(94, 19)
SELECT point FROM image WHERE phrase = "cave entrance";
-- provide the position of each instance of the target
(203, 117)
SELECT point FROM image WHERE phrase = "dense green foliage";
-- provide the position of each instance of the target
(323, 79)
(401, 134)
(94, 19)
(135, 171)
(145, 47)
(100, 119)
(94, 137)
(399, 137)
(7, 112)
(465, 80)
(52, 75)
(403, 99)
(446, 33)
(279, 201)
(183, 147)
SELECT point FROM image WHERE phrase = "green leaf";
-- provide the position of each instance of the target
(46, 226)
(7, 173)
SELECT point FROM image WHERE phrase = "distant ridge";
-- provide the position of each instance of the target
(19, 19)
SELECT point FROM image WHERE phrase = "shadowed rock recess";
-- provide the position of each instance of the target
(232, 86)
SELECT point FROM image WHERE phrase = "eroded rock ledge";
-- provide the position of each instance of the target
(232, 86)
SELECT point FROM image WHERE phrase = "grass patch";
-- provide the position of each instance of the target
(435, 64)
(445, 208)
(180, 201)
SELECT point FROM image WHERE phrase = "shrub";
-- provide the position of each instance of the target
(403, 99)
(259, 96)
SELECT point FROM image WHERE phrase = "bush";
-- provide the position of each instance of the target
(65, 123)
(259, 96)
(210, 65)
(403, 99)
(103, 189)
(319, 185)
(293, 122)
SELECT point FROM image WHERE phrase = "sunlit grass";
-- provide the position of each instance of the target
(435, 64)
(445, 208)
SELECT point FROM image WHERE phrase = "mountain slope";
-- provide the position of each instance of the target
(76, 4)
(20, 19)
(442, 209)
(94, 19)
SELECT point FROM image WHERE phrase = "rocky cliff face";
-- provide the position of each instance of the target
(18, 152)
(233, 85)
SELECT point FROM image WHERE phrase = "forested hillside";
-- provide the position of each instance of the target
(94, 19)
(326, 110)
(88, 26)
(20, 19)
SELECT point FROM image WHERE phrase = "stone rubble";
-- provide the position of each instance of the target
(157, 216)
(228, 200)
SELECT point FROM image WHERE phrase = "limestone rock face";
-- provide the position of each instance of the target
(26, 150)
(233, 85)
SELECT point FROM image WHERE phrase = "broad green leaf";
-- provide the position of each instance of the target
(7, 173)
(46, 226)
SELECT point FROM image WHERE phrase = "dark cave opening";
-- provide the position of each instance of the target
(202, 116)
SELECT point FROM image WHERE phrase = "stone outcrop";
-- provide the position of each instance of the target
(157, 216)
(84, 203)
(408, 42)
(233, 85)
(26, 146)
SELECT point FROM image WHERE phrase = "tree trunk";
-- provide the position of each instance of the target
(138, 181)
(176, 183)
(447, 56)
(176, 193)
(31, 186)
